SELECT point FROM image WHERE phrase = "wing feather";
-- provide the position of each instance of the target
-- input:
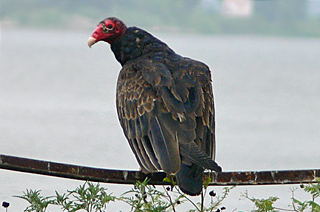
(167, 115)
(165, 146)
(150, 152)
(153, 146)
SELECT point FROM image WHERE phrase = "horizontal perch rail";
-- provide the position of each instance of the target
(129, 177)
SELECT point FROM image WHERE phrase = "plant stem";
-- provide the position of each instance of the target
(170, 200)
(188, 200)
(202, 201)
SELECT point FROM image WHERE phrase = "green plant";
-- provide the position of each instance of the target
(142, 197)
(314, 190)
(267, 205)
(37, 202)
(262, 205)
(90, 197)
(215, 201)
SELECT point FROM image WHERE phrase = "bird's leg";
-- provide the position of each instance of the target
(171, 178)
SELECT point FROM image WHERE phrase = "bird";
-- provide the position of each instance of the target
(165, 104)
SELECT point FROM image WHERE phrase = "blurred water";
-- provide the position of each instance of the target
(58, 103)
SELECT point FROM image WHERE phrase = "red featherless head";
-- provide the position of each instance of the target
(109, 30)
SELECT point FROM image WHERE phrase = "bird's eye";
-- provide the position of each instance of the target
(107, 28)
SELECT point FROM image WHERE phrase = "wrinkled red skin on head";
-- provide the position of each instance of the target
(118, 29)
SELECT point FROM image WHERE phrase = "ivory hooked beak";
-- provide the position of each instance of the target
(91, 41)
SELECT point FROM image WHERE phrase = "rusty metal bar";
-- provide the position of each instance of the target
(129, 177)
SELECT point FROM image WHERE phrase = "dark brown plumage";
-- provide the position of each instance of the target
(165, 104)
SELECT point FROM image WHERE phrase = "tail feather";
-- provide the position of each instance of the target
(192, 153)
(190, 179)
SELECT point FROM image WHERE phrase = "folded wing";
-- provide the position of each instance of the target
(167, 113)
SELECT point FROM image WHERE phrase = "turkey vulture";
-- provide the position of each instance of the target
(164, 103)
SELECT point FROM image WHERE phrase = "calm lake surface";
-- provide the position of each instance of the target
(57, 103)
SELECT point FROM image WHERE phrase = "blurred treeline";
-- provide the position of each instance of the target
(269, 17)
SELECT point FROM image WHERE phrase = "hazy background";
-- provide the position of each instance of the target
(255, 17)
(57, 96)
